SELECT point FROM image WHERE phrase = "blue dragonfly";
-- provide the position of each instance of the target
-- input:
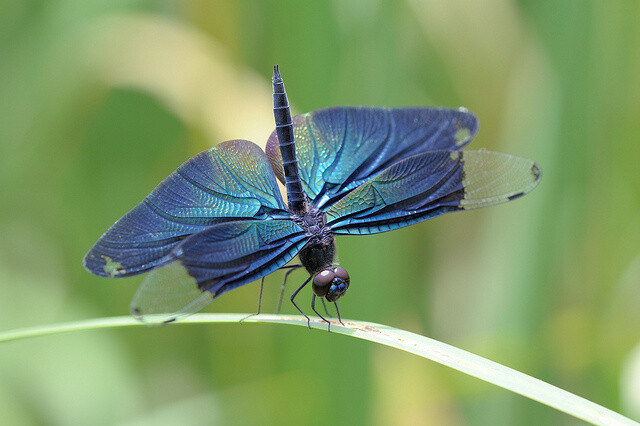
(219, 221)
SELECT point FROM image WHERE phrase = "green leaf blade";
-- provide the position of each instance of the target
(425, 347)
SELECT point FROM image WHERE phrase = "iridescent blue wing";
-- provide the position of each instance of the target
(340, 148)
(212, 262)
(229, 181)
(430, 184)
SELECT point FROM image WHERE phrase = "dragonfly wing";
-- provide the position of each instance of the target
(212, 262)
(229, 181)
(430, 184)
(340, 148)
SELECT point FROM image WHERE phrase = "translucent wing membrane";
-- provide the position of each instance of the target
(230, 181)
(340, 148)
(430, 184)
(214, 261)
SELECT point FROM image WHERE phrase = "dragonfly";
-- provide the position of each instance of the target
(219, 221)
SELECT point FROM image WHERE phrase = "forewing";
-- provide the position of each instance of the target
(340, 148)
(212, 262)
(229, 181)
(430, 184)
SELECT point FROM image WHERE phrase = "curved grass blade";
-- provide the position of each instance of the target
(425, 347)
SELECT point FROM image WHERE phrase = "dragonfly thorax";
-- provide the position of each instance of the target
(319, 252)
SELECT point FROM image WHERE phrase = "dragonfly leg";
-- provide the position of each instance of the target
(284, 282)
(313, 306)
(324, 305)
(293, 296)
(259, 302)
(338, 311)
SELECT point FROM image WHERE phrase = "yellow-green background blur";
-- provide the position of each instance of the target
(101, 99)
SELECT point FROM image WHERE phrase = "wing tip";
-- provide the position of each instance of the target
(492, 178)
(536, 174)
(536, 171)
(466, 128)
(87, 264)
(101, 265)
(151, 320)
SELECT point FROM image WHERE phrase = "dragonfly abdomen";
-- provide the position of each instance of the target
(284, 128)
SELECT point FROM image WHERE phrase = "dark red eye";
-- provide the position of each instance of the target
(341, 273)
(324, 278)
(322, 281)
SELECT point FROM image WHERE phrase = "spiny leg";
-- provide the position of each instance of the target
(338, 311)
(259, 302)
(313, 306)
(293, 296)
(284, 282)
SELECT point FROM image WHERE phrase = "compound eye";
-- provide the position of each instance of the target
(342, 274)
(322, 281)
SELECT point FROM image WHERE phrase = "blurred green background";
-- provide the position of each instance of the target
(101, 99)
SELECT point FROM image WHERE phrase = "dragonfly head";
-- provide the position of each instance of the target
(331, 283)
